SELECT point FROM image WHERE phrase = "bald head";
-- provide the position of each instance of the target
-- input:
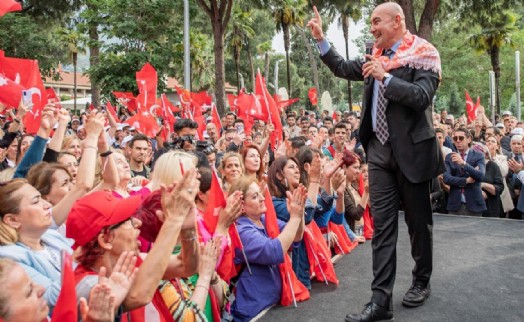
(387, 24)
(392, 8)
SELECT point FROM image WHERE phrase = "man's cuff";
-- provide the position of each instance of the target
(387, 80)
(323, 46)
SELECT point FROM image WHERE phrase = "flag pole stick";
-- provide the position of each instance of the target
(292, 290)
(318, 262)
(243, 252)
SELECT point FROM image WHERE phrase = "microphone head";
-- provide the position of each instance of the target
(369, 47)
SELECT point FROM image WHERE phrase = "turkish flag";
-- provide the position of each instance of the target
(184, 96)
(284, 104)
(167, 109)
(344, 245)
(260, 92)
(10, 92)
(65, 309)
(145, 123)
(111, 110)
(269, 104)
(232, 102)
(312, 93)
(319, 254)
(9, 6)
(168, 104)
(26, 73)
(215, 203)
(51, 95)
(292, 288)
(369, 225)
(216, 117)
(200, 101)
(471, 109)
(147, 81)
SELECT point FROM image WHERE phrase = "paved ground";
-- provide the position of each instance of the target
(478, 276)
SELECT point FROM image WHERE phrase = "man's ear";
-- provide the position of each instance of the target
(11, 221)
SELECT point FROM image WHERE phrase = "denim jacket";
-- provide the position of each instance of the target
(38, 267)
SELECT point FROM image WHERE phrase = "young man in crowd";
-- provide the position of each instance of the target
(328, 122)
(339, 139)
(291, 128)
(465, 171)
(137, 150)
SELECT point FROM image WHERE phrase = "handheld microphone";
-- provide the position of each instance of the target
(369, 51)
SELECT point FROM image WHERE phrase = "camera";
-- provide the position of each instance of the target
(205, 147)
(178, 142)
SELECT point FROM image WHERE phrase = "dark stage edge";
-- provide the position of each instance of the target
(478, 275)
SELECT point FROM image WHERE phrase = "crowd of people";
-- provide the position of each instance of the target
(133, 213)
(483, 166)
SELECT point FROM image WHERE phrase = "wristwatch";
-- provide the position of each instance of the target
(386, 76)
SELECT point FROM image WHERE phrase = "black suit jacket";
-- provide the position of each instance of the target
(410, 93)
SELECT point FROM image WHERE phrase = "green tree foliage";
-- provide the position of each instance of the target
(137, 32)
(456, 101)
(289, 13)
(22, 36)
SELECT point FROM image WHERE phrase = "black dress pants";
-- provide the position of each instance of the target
(388, 188)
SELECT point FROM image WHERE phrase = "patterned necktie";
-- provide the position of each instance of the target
(381, 131)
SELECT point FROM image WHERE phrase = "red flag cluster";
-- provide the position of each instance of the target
(292, 289)
(65, 309)
(17, 75)
(471, 109)
(313, 97)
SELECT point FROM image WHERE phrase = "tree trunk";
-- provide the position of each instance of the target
(425, 26)
(239, 87)
(495, 64)
(220, 83)
(409, 13)
(236, 56)
(251, 65)
(94, 52)
(285, 32)
(219, 13)
(345, 29)
(312, 60)
(266, 64)
(75, 63)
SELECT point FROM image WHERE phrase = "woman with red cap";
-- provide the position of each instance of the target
(103, 226)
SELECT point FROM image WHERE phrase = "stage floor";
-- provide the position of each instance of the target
(478, 275)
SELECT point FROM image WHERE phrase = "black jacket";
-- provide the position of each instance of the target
(410, 93)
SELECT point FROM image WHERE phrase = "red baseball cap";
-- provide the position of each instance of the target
(95, 211)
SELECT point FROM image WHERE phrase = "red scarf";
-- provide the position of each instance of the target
(413, 52)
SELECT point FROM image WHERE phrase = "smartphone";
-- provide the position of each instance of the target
(27, 99)
(240, 128)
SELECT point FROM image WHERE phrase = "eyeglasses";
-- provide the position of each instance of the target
(127, 224)
(458, 138)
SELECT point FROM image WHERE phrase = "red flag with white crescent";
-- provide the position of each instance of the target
(26, 73)
(471, 109)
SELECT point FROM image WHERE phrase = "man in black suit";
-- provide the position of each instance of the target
(397, 133)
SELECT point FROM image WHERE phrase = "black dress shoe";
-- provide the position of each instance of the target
(372, 312)
(416, 295)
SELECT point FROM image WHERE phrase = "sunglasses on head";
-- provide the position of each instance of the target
(459, 138)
